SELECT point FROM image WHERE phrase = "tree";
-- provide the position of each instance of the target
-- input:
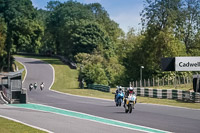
(22, 29)
(183, 16)
(96, 69)
(102, 17)
(189, 25)
(2, 43)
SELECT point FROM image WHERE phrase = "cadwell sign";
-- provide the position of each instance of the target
(187, 63)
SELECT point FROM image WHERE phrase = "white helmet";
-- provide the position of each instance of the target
(131, 88)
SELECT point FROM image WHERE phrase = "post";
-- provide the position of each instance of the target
(197, 84)
(168, 80)
(175, 80)
(163, 81)
(153, 82)
(184, 82)
(141, 67)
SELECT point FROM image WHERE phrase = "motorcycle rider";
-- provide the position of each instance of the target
(127, 92)
(42, 86)
(119, 89)
(35, 85)
(30, 86)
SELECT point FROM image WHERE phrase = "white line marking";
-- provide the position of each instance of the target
(3, 99)
(24, 69)
(26, 124)
(94, 120)
(53, 76)
(94, 97)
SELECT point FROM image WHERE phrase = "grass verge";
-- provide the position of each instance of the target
(9, 126)
(66, 81)
(20, 66)
(185, 87)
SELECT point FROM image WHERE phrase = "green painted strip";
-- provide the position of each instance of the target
(86, 117)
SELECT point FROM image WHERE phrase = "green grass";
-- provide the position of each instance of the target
(9, 126)
(66, 81)
(65, 78)
(185, 87)
(20, 66)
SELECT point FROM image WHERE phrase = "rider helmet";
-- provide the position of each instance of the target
(131, 90)
(120, 88)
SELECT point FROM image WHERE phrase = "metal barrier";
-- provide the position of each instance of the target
(168, 94)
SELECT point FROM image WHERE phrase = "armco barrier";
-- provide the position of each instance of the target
(168, 94)
(99, 87)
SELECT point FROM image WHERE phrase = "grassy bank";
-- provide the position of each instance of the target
(20, 66)
(185, 87)
(8, 126)
(66, 81)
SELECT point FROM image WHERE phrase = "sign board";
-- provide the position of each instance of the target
(168, 64)
(187, 63)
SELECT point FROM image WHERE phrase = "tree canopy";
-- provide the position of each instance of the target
(85, 34)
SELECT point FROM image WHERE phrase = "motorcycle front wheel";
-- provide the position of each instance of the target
(126, 109)
(130, 108)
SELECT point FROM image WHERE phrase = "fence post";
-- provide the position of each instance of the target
(144, 83)
(158, 82)
(148, 83)
(168, 80)
(163, 81)
(153, 82)
(184, 81)
(136, 84)
(133, 84)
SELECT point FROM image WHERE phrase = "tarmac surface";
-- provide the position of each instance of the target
(172, 119)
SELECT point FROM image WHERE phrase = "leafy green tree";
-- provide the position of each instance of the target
(2, 43)
(189, 25)
(99, 70)
(88, 37)
(102, 17)
(81, 28)
(183, 16)
(62, 16)
(22, 29)
(92, 69)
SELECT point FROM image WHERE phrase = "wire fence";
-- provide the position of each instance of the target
(162, 81)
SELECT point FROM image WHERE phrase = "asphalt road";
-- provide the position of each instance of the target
(166, 118)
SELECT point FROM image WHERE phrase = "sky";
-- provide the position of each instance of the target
(124, 12)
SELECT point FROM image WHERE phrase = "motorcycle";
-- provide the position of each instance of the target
(119, 98)
(130, 103)
(30, 87)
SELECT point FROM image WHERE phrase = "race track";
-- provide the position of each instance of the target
(172, 119)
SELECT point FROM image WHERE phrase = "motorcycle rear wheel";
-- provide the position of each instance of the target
(126, 109)
(130, 108)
